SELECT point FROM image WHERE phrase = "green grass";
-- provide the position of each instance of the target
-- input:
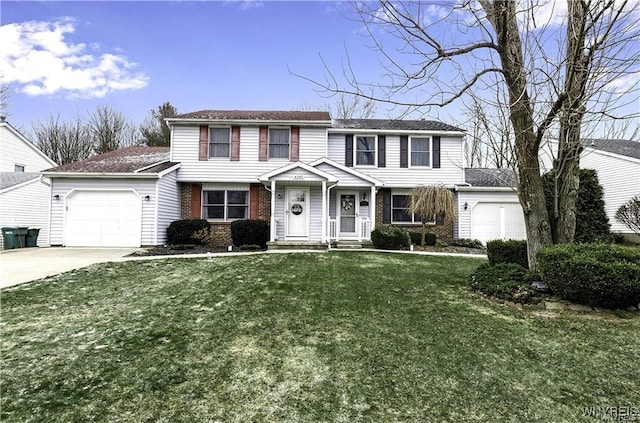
(353, 336)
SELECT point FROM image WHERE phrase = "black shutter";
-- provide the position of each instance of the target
(382, 150)
(386, 205)
(404, 151)
(348, 151)
(436, 152)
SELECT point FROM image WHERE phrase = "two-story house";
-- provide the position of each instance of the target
(24, 195)
(316, 180)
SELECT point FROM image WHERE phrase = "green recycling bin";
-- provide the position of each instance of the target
(14, 237)
(32, 237)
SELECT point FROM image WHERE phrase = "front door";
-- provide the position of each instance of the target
(297, 213)
(348, 210)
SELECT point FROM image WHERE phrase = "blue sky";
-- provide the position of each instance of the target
(197, 55)
(70, 57)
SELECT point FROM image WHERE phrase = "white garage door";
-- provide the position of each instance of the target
(497, 221)
(103, 219)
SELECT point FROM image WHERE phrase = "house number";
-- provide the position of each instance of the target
(298, 176)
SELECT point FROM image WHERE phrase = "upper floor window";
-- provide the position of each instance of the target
(219, 142)
(18, 168)
(420, 151)
(278, 143)
(225, 205)
(400, 212)
(365, 150)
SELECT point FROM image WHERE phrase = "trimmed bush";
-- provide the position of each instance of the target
(183, 231)
(468, 243)
(429, 238)
(507, 281)
(250, 232)
(390, 238)
(600, 275)
(511, 251)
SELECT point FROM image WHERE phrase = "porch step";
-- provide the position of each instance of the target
(348, 245)
(296, 245)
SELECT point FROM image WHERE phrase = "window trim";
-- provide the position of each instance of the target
(288, 128)
(209, 143)
(409, 152)
(413, 216)
(375, 150)
(226, 205)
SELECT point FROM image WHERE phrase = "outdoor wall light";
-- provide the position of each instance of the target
(147, 198)
(466, 205)
(56, 197)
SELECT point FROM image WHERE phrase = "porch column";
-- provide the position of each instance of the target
(273, 211)
(372, 207)
(324, 211)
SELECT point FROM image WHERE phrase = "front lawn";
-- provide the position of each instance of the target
(351, 336)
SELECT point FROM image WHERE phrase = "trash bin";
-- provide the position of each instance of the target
(32, 237)
(14, 237)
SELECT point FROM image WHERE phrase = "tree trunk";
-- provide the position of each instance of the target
(502, 15)
(569, 149)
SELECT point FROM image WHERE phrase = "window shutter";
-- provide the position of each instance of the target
(254, 201)
(348, 150)
(196, 201)
(203, 150)
(264, 144)
(436, 152)
(295, 144)
(386, 205)
(404, 151)
(382, 150)
(235, 143)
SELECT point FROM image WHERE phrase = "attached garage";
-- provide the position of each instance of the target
(124, 198)
(103, 219)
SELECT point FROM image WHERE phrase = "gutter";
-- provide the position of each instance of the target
(394, 131)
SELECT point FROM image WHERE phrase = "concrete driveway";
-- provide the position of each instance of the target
(27, 264)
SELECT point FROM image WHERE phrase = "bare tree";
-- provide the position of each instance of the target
(155, 130)
(5, 95)
(111, 130)
(502, 44)
(63, 142)
(629, 214)
(346, 107)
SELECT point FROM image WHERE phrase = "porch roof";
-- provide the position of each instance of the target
(296, 176)
(349, 170)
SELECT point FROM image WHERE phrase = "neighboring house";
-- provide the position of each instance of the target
(317, 181)
(124, 198)
(617, 163)
(24, 194)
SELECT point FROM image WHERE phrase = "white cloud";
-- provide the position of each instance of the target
(38, 58)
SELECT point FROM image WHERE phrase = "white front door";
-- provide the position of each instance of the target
(348, 210)
(297, 212)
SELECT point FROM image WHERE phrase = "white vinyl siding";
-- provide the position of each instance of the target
(27, 205)
(184, 149)
(64, 186)
(451, 169)
(14, 150)
(168, 205)
(620, 180)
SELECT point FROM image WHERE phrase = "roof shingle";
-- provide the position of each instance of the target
(124, 160)
(9, 179)
(261, 115)
(393, 124)
(616, 146)
(486, 177)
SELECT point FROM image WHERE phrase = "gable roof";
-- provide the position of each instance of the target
(622, 147)
(136, 159)
(486, 177)
(18, 135)
(394, 124)
(258, 115)
(9, 179)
